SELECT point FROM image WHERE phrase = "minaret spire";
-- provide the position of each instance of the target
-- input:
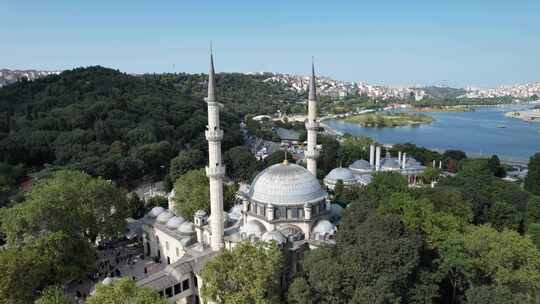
(215, 170)
(211, 77)
(312, 125)
(312, 90)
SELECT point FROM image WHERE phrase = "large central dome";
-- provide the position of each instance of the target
(286, 184)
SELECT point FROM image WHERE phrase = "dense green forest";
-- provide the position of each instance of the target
(119, 126)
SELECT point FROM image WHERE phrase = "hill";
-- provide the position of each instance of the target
(120, 126)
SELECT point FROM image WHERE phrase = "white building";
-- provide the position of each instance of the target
(360, 172)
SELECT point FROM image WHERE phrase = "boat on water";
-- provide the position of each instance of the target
(501, 126)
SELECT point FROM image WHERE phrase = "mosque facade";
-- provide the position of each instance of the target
(285, 203)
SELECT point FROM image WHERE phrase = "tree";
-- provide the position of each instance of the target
(249, 273)
(492, 294)
(456, 155)
(185, 161)
(124, 291)
(71, 202)
(353, 148)
(240, 163)
(21, 274)
(338, 190)
(494, 165)
(491, 252)
(532, 181)
(192, 193)
(384, 184)
(53, 295)
(430, 175)
(328, 156)
(375, 260)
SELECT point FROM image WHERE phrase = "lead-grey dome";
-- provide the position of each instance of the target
(361, 165)
(343, 174)
(286, 184)
(390, 164)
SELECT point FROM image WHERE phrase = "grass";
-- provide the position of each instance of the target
(389, 119)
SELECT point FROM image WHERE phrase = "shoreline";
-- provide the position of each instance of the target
(527, 115)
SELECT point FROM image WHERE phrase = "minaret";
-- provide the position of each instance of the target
(215, 170)
(312, 125)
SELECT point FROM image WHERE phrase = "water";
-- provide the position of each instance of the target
(473, 132)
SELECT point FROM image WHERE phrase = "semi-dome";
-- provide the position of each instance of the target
(165, 216)
(274, 235)
(156, 211)
(286, 184)
(253, 227)
(342, 174)
(236, 212)
(361, 166)
(175, 222)
(186, 228)
(323, 230)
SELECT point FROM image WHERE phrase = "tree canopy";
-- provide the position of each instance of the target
(532, 181)
(249, 273)
(192, 193)
(50, 235)
(124, 291)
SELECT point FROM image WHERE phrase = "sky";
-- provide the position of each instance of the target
(389, 42)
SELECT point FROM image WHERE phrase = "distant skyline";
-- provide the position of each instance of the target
(457, 43)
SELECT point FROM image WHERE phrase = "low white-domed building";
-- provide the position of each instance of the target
(344, 175)
(363, 171)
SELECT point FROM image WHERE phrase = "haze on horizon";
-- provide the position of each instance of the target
(482, 43)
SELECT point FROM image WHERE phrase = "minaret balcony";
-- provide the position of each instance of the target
(214, 135)
(312, 125)
(313, 154)
(215, 172)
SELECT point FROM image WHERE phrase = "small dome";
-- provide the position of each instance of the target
(274, 235)
(343, 174)
(390, 164)
(156, 211)
(361, 165)
(175, 222)
(286, 184)
(253, 227)
(165, 216)
(236, 212)
(186, 228)
(324, 227)
(200, 213)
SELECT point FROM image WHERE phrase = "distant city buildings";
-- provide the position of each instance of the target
(11, 76)
(340, 89)
(517, 91)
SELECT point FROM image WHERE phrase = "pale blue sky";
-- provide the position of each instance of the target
(382, 42)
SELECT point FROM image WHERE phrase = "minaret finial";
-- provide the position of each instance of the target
(211, 77)
(312, 92)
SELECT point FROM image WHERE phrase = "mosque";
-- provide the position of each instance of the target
(285, 203)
